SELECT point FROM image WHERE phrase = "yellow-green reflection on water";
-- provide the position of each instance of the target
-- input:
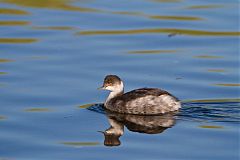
(2, 85)
(3, 73)
(160, 17)
(214, 100)
(211, 127)
(5, 60)
(151, 51)
(51, 4)
(37, 110)
(52, 28)
(38, 57)
(167, 1)
(159, 30)
(14, 23)
(216, 70)
(178, 18)
(13, 11)
(2, 117)
(129, 13)
(18, 40)
(205, 6)
(80, 144)
(208, 57)
(86, 105)
(228, 84)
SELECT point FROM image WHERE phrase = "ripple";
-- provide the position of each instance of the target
(52, 4)
(216, 70)
(211, 127)
(99, 108)
(17, 40)
(2, 84)
(5, 60)
(37, 110)
(11, 11)
(167, 1)
(52, 28)
(14, 23)
(159, 30)
(208, 57)
(210, 6)
(151, 51)
(38, 57)
(233, 100)
(129, 13)
(87, 105)
(3, 73)
(228, 84)
(160, 17)
(177, 18)
(209, 110)
(222, 110)
(80, 144)
(2, 117)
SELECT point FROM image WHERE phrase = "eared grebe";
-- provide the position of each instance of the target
(143, 101)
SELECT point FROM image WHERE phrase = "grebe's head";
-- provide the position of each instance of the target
(112, 83)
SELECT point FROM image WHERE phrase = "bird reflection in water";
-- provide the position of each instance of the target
(136, 123)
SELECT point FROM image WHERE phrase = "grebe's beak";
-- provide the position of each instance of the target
(101, 132)
(101, 88)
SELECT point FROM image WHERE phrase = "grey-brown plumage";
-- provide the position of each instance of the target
(140, 123)
(143, 101)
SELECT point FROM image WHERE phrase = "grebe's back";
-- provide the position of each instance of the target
(144, 101)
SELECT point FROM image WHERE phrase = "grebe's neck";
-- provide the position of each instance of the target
(117, 91)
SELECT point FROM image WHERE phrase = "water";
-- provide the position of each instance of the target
(55, 53)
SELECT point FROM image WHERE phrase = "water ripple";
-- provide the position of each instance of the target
(9, 11)
(52, 28)
(177, 18)
(17, 40)
(228, 84)
(197, 111)
(52, 4)
(159, 30)
(151, 51)
(210, 6)
(211, 112)
(14, 23)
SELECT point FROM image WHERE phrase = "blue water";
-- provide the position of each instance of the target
(55, 53)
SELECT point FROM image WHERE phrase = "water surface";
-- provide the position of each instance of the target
(55, 53)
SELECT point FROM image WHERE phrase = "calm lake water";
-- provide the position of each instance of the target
(55, 53)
